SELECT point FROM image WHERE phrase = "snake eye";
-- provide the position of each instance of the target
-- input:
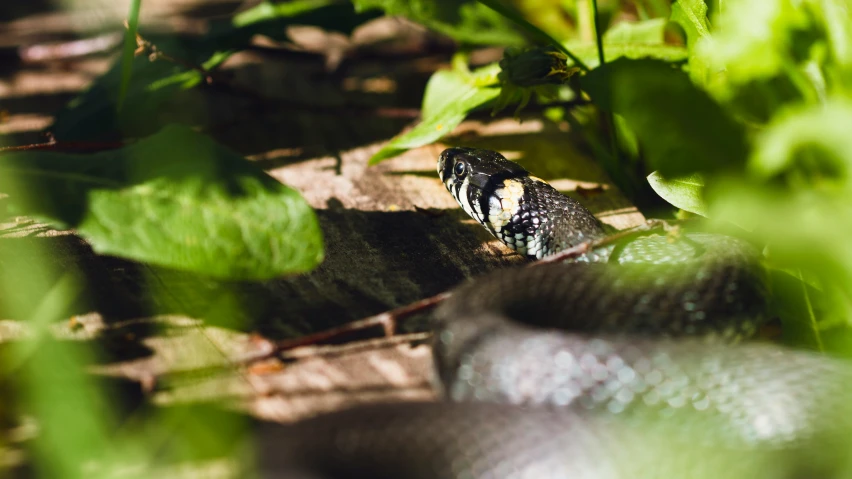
(459, 168)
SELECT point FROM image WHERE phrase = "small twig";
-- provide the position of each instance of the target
(54, 145)
(387, 320)
(366, 345)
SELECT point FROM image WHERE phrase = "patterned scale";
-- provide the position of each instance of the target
(522, 211)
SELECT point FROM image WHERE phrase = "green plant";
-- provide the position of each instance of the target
(744, 122)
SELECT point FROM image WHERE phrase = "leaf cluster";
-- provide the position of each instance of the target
(745, 124)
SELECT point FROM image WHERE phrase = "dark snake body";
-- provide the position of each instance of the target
(593, 369)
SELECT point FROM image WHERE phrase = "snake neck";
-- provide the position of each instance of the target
(531, 217)
(522, 211)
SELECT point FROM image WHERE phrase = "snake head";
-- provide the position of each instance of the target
(473, 176)
(525, 213)
(480, 166)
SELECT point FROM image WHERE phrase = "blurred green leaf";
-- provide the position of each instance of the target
(681, 129)
(780, 51)
(450, 95)
(668, 53)
(803, 230)
(686, 193)
(75, 429)
(648, 31)
(176, 199)
(813, 140)
(691, 15)
(753, 39)
(92, 115)
(464, 21)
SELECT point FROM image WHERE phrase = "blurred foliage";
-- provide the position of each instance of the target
(128, 50)
(175, 199)
(661, 103)
(743, 121)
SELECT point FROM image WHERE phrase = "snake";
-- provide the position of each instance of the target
(635, 359)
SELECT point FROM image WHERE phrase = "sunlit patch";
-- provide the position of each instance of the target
(502, 206)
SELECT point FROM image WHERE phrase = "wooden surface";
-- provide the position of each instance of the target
(392, 232)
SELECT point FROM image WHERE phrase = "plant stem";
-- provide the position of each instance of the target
(811, 314)
(533, 30)
(609, 116)
(598, 33)
(128, 52)
(585, 21)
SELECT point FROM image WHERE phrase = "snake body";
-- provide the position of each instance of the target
(625, 363)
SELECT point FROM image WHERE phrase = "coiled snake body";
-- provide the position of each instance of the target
(620, 364)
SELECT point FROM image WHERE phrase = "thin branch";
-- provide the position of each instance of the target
(75, 146)
(387, 320)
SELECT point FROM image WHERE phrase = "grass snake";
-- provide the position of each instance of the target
(630, 361)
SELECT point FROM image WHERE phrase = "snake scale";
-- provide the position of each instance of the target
(628, 362)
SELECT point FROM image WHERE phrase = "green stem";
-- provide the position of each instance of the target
(533, 30)
(598, 33)
(585, 21)
(811, 314)
(609, 117)
(128, 50)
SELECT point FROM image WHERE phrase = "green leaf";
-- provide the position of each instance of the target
(752, 40)
(445, 85)
(449, 97)
(92, 115)
(176, 199)
(686, 192)
(808, 140)
(769, 53)
(667, 53)
(466, 21)
(682, 130)
(691, 15)
(803, 230)
(648, 31)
